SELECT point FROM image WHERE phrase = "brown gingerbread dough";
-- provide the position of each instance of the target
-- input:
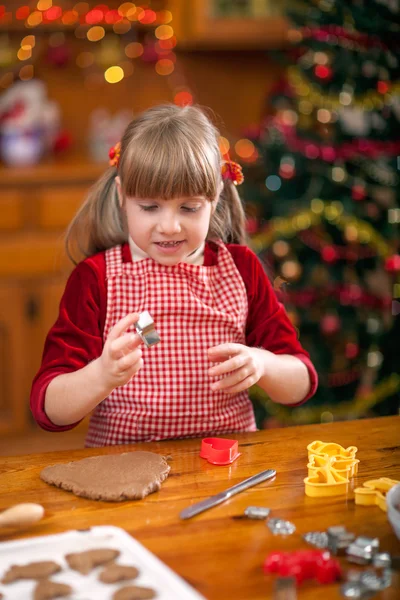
(47, 590)
(114, 573)
(113, 477)
(84, 562)
(134, 592)
(34, 570)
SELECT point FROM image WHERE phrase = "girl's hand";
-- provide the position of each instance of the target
(245, 367)
(121, 358)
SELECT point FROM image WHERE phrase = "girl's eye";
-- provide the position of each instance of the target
(149, 208)
(189, 209)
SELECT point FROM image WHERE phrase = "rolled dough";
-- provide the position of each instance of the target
(112, 477)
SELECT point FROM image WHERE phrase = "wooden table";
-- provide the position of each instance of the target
(219, 555)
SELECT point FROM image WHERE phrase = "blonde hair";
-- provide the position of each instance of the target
(166, 152)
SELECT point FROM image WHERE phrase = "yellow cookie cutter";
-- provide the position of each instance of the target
(374, 492)
(345, 457)
(317, 462)
(325, 480)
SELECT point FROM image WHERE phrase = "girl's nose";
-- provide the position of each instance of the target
(169, 224)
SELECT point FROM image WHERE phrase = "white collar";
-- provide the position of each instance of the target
(196, 258)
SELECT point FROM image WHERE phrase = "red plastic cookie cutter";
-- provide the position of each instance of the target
(304, 564)
(219, 451)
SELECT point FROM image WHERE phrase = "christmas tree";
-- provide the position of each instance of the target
(323, 204)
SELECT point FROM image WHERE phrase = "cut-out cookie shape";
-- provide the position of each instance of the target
(114, 573)
(344, 457)
(374, 492)
(325, 480)
(112, 477)
(47, 590)
(84, 562)
(134, 592)
(34, 570)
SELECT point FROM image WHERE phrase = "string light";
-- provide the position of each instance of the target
(164, 32)
(85, 59)
(44, 4)
(134, 50)
(164, 66)
(244, 148)
(184, 98)
(273, 183)
(26, 73)
(96, 33)
(22, 13)
(114, 74)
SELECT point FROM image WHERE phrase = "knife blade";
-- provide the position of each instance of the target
(203, 505)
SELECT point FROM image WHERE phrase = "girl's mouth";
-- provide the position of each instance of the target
(169, 247)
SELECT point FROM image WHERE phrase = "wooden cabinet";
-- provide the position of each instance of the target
(36, 206)
(229, 24)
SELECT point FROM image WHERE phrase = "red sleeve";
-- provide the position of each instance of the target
(76, 338)
(268, 325)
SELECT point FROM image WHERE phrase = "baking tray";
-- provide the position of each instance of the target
(152, 571)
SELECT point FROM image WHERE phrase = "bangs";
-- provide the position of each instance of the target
(170, 164)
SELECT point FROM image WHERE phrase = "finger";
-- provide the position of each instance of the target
(216, 353)
(129, 360)
(245, 384)
(232, 379)
(228, 365)
(123, 325)
(124, 344)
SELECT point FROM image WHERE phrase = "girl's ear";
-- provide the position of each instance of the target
(119, 190)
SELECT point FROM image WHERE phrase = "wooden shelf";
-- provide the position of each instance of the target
(69, 168)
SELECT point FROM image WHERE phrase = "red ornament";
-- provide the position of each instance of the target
(330, 324)
(392, 264)
(323, 72)
(351, 350)
(382, 87)
(59, 56)
(358, 192)
(63, 141)
(329, 254)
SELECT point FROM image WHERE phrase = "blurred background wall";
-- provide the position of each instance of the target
(306, 96)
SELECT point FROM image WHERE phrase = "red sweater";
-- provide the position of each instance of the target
(76, 338)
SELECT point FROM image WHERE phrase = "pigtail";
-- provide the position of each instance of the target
(229, 221)
(98, 224)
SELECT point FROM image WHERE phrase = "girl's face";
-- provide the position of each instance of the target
(168, 230)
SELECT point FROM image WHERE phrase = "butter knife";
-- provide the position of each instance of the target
(199, 507)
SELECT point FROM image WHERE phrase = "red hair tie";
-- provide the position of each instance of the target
(233, 171)
(114, 155)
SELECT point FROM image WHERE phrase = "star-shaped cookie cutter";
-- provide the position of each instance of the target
(373, 492)
(345, 458)
(325, 479)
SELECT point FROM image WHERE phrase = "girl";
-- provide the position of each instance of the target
(163, 231)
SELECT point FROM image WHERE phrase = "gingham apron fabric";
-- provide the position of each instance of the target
(194, 308)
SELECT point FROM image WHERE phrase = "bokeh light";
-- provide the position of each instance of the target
(114, 74)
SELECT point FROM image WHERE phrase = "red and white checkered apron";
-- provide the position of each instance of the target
(194, 308)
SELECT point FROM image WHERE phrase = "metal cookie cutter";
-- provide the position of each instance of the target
(362, 550)
(325, 480)
(374, 492)
(146, 329)
(345, 458)
(257, 512)
(339, 538)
